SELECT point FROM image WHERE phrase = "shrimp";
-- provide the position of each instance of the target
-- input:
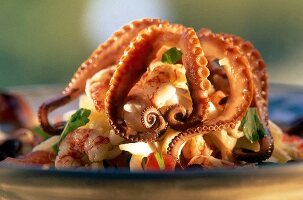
(196, 147)
(85, 147)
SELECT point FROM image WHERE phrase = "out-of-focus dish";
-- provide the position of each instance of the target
(283, 181)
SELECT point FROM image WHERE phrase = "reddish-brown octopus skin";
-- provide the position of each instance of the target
(138, 56)
(106, 55)
(241, 92)
(260, 100)
(259, 78)
(196, 74)
(258, 68)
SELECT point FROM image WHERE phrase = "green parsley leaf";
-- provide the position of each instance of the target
(78, 119)
(160, 161)
(38, 131)
(172, 56)
(252, 126)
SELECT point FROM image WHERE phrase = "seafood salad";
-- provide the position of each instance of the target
(162, 96)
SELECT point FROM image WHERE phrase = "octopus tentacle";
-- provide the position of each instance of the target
(97, 86)
(260, 80)
(49, 106)
(239, 76)
(258, 69)
(176, 115)
(266, 148)
(174, 147)
(104, 56)
(109, 52)
(219, 99)
(138, 56)
(149, 117)
(152, 119)
(196, 75)
(241, 94)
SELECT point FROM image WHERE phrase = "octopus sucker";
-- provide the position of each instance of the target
(168, 88)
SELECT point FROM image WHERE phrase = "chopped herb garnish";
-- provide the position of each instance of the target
(253, 128)
(38, 131)
(172, 56)
(78, 119)
(160, 161)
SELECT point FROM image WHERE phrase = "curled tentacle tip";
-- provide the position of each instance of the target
(266, 149)
(176, 115)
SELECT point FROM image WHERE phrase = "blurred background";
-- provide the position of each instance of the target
(44, 41)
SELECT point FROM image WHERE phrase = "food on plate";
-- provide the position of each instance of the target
(161, 96)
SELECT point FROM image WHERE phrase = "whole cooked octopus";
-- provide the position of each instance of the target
(145, 99)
